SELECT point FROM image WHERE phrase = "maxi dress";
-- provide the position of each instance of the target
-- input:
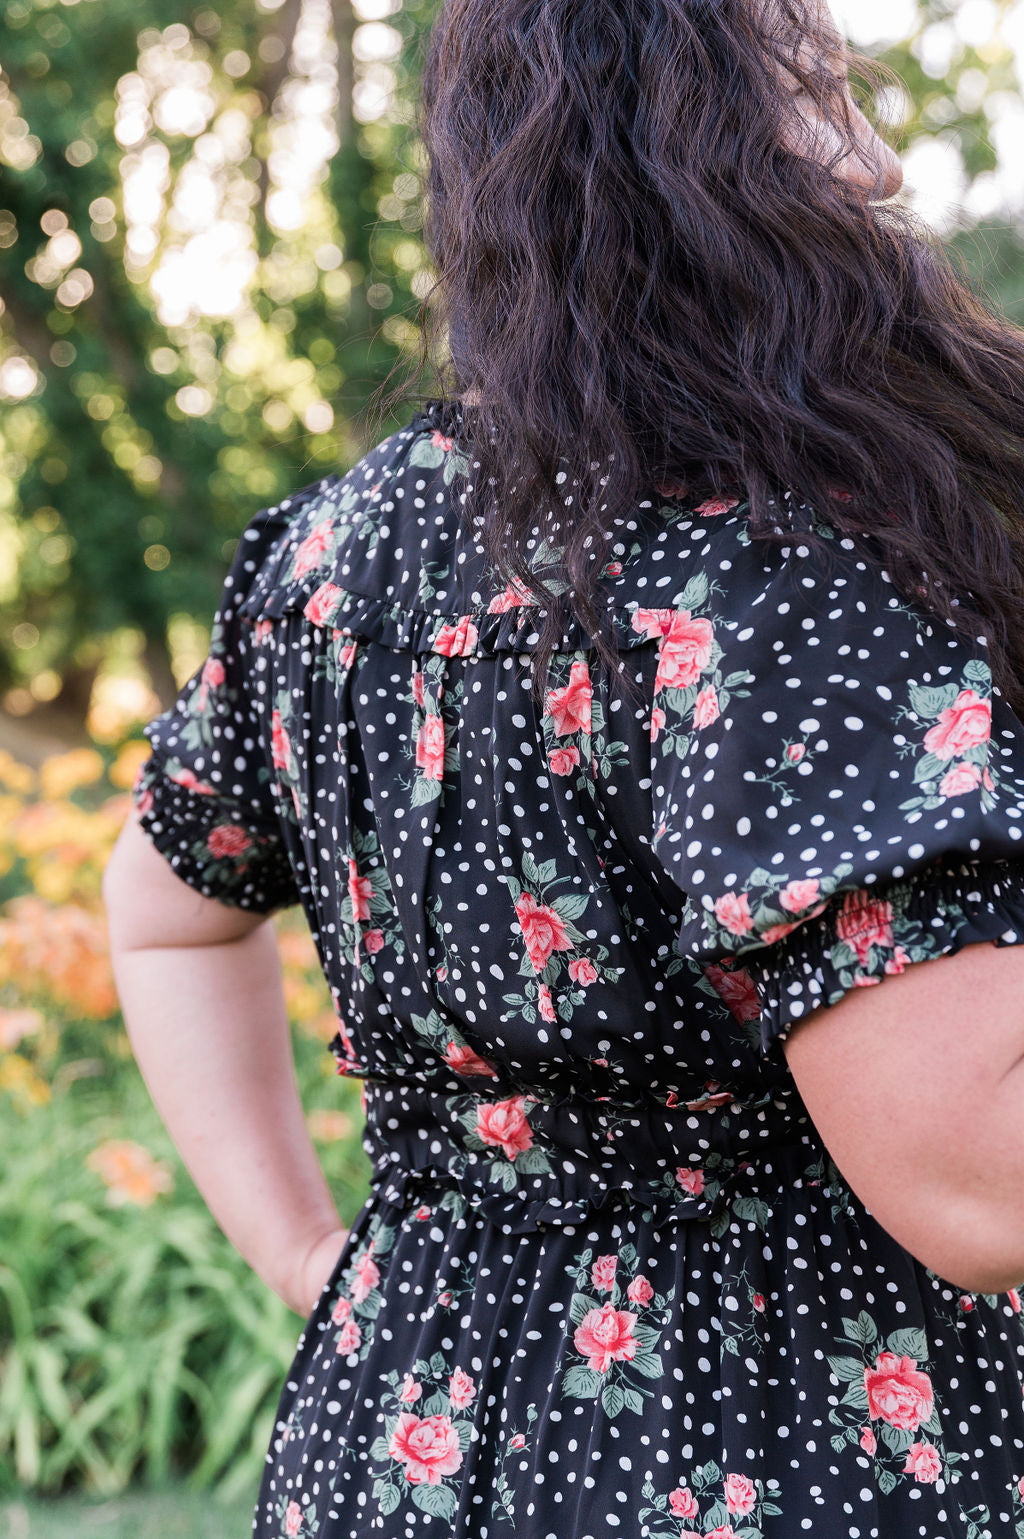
(609, 1281)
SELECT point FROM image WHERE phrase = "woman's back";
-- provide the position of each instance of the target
(609, 1280)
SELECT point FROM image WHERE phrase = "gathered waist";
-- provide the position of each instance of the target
(743, 1189)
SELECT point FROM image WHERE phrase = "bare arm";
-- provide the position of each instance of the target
(200, 987)
(916, 1087)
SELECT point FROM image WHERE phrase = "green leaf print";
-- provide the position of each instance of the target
(695, 594)
(437, 1501)
(379, 1448)
(648, 1365)
(930, 767)
(581, 1305)
(849, 1370)
(862, 1329)
(582, 1383)
(389, 1498)
(887, 1481)
(928, 701)
(909, 1341)
(613, 1399)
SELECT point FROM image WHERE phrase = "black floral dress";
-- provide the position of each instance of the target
(609, 1282)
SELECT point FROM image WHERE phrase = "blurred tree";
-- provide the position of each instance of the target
(212, 256)
(210, 248)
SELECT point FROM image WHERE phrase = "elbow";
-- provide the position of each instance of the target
(975, 1249)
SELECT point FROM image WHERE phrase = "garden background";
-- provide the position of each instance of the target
(210, 257)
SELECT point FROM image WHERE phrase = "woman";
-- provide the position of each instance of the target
(678, 1226)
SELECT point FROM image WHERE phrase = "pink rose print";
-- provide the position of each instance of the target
(341, 1311)
(658, 720)
(430, 747)
(899, 960)
(864, 922)
(441, 440)
(456, 640)
(733, 912)
(583, 971)
(737, 990)
(691, 1179)
(1020, 1485)
(544, 1003)
(868, 1441)
(262, 630)
(613, 569)
(428, 1446)
(640, 1292)
(444, 1299)
(962, 725)
(898, 1392)
(683, 1502)
(366, 1279)
(796, 896)
(775, 932)
(1014, 1298)
(795, 752)
(740, 1495)
(461, 1389)
(311, 552)
(605, 1336)
(562, 761)
(503, 1125)
(716, 506)
(228, 842)
(966, 1303)
(705, 707)
(602, 1273)
(923, 1462)
(543, 931)
(464, 1061)
(347, 653)
(959, 779)
(653, 622)
(349, 1338)
(293, 1520)
(417, 688)
(758, 1303)
(569, 708)
(512, 598)
(187, 778)
(323, 605)
(518, 1441)
(684, 651)
(725, 1531)
(373, 940)
(360, 890)
(213, 672)
(280, 745)
(411, 1390)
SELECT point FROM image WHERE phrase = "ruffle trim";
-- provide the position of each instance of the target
(865, 935)
(473, 633)
(183, 825)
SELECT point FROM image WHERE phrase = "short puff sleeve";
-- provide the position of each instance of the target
(837, 788)
(207, 795)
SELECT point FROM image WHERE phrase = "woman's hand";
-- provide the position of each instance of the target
(311, 1272)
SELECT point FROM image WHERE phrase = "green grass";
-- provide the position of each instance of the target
(171, 1514)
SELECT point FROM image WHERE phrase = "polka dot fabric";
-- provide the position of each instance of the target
(608, 1281)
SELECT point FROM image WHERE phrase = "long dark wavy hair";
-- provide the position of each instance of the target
(649, 288)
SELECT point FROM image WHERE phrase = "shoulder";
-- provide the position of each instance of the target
(341, 523)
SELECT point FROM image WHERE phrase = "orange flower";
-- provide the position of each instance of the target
(130, 1172)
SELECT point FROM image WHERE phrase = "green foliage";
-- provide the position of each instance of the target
(155, 429)
(137, 1346)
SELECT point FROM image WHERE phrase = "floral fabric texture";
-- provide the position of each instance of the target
(608, 1281)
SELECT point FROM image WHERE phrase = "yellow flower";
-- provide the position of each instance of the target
(19, 1079)
(126, 765)
(15, 776)
(65, 772)
(130, 1172)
